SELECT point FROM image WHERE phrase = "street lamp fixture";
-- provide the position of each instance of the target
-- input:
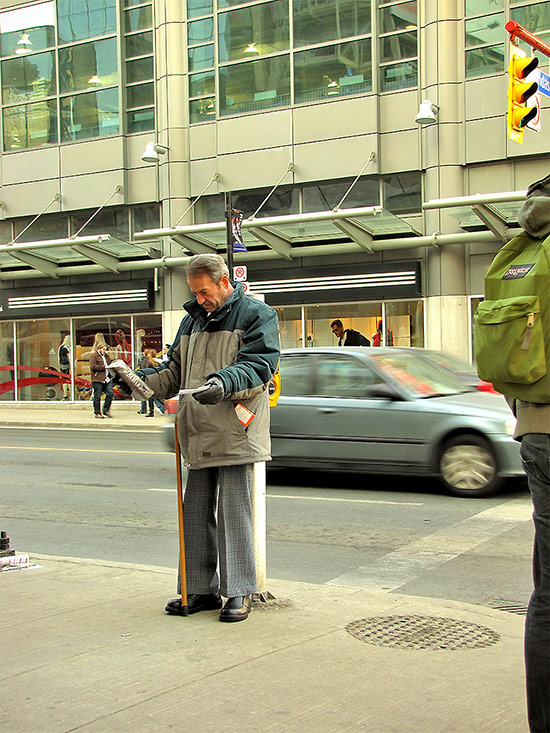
(427, 114)
(153, 151)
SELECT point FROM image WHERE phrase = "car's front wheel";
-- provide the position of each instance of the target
(468, 467)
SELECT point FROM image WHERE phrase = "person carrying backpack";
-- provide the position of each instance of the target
(512, 348)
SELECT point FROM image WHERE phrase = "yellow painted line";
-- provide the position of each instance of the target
(88, 450)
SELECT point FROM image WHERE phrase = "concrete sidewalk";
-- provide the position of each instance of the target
(87, 646)
(78, 415)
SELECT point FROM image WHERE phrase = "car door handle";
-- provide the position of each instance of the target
(327, 410)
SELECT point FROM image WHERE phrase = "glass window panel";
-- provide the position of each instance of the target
(146, 216)
(139, 70)
(316, 21)
(281, 202)
(202, 110)
(138, 19)
(254, 86)
(482, 7)
(362, 317)
(7, 376)
(108, 221)
(195, 8)
(88, 66)
(30, 126)
(114, 330)
(399, 76)
(48, 226)
(404, 323)
(209, 208)
(333, 71)
(398, 17)
(38, 369)
(5, 232)
(140, 44)
(201, 57)
(23, 30)
(201, 84)
(77, 20)
(399, 46)
(343, 376)
(534, 17)
(325, 196)
(488, 60)
(131, 3)
(402, 193)
(232, 3)
(252, 32)
(27, 78)
(89, 115)
(147, 334)
(140, 95)
(140, 120)
(489, 29)
(290, 326)
(200, 31)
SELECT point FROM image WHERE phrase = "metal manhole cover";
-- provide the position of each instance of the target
(422, 632)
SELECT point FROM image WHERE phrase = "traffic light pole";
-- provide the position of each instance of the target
(229, 232)
(517, 30)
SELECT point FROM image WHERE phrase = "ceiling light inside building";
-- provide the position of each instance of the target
(251, 48)
(24, 44)
(95, 81)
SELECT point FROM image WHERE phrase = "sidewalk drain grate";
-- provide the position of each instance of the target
(422, 632)
(520, 609)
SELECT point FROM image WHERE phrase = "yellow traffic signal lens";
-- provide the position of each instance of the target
(522, 67)
(522, 115)
(521, 91)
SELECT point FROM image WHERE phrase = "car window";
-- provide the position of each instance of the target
(343, 376)
(419, 375)
(296, 373)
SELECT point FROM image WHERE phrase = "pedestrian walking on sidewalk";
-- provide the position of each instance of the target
(101, 382)
(227, 345)
(147, 360)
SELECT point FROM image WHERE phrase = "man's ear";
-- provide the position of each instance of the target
(224, 281)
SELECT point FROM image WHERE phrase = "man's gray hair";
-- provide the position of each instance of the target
(209, 264)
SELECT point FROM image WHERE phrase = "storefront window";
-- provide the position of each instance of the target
(290, 327)
(7, 373)
(147, 335)
(404, 323)
(362, 317)
(41, 374)
(115, 331)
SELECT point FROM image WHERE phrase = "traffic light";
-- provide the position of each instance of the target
(519, 93)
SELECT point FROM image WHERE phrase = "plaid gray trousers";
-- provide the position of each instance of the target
(217, 521)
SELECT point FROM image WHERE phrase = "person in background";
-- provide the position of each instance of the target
(122, 349)
(347, 336)
(101, 381)
(64, 358)
(147, 361)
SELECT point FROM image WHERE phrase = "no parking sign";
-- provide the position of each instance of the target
(239, 273)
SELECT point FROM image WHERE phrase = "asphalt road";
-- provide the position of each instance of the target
(111, 496)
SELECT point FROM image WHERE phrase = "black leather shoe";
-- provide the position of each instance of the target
(195, 603)
(236, 609)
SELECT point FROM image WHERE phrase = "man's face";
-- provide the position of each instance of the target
(338, 331)
(207, 293)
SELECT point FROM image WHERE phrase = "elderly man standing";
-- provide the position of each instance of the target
(228, 343)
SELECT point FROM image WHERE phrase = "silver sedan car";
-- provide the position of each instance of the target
(390, 411)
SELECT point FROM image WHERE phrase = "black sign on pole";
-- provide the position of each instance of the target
(229, 232)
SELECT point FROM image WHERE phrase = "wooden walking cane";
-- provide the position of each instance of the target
(183, 576)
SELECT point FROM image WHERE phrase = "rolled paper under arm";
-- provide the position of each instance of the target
(140, 390)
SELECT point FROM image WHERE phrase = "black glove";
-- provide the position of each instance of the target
(122, 388)
(214, 394)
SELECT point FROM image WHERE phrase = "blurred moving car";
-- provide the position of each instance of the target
(390, 410)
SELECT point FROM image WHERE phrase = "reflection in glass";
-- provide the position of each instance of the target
(253, 31)
(489, 29)
(200, 31)
(89, 115)
(139, 70)
(325, 196)
(108, 221)
(333, 71)
(29, 126)
(88, 65)
(147, 334)
(28, 29)
(138, 19)
(405, 323)
(77, 20)
(39, 374)
(201, 84)
(482, 7)
(195, 8)
(399, 46)
(202, 110)
(140, 95)
(140, 120)
(140, 44)
(399, 76)
(290, 326)
(316, 21)
(534, 17)
(47, 226)
(201, 57)
(485, 60)
(254, 86)
(402, 193)
(146, 216)
(283, 201)
(114, 330)
(29, 77)
(402, 16)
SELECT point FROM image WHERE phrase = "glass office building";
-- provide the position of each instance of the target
(306, 111)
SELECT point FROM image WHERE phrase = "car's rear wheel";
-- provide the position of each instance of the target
(468, 467)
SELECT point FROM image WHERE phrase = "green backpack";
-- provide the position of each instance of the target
(512, 324)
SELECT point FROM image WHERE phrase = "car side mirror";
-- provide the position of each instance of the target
(382, 391)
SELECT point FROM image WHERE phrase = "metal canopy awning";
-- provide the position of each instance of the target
(488, 218)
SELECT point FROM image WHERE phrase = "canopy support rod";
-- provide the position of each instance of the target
(57, 197)
(372, 158)
(289, 169)
(118, 189)
(215, 177)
